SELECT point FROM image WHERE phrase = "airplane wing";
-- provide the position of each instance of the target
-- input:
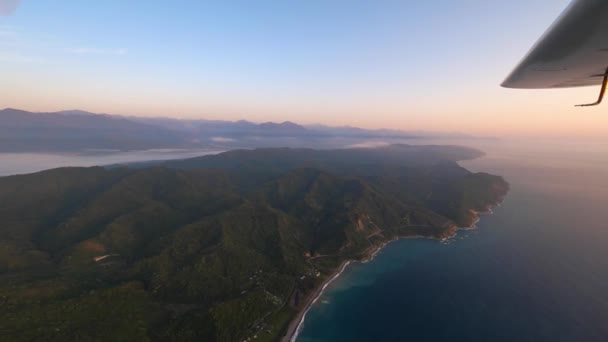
(572, 53)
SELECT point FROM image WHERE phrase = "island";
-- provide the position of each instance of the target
(227, 247)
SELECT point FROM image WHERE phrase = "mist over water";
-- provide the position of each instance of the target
(20, 163)
(535, 270)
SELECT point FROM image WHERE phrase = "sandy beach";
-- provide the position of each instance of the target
(296, 323)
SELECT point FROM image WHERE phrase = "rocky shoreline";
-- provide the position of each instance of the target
(295, 325)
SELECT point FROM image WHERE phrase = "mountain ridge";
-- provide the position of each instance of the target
(80, 131)
(215, 248)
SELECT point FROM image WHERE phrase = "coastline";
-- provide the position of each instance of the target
(295, 325)
(297, 322)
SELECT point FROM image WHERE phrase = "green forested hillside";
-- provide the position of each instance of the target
(212, 248)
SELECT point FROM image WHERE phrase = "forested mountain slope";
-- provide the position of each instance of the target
(212, 248)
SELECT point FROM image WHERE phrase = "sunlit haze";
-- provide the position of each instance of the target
(412, 65)
(303, 170)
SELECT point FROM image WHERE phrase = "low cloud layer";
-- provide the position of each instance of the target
(369, 144)
(221, 139)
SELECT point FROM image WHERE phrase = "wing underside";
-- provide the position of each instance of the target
(572, 53)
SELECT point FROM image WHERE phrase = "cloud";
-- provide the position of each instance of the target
(369, 144)
(8, 7)
(221, 139)
(98, 51)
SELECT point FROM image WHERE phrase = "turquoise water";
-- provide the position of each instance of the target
(536, 270)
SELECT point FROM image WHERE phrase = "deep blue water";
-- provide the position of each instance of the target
(536, 270)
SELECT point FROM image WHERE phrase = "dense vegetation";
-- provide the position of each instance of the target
(216, 247)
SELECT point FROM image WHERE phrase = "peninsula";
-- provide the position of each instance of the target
(228, 247)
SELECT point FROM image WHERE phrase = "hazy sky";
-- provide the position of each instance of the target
(432, 64)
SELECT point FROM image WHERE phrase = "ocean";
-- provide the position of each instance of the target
(535, 270)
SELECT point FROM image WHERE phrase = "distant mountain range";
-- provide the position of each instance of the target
(79, 131)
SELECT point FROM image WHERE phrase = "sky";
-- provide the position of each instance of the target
(431, 65)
